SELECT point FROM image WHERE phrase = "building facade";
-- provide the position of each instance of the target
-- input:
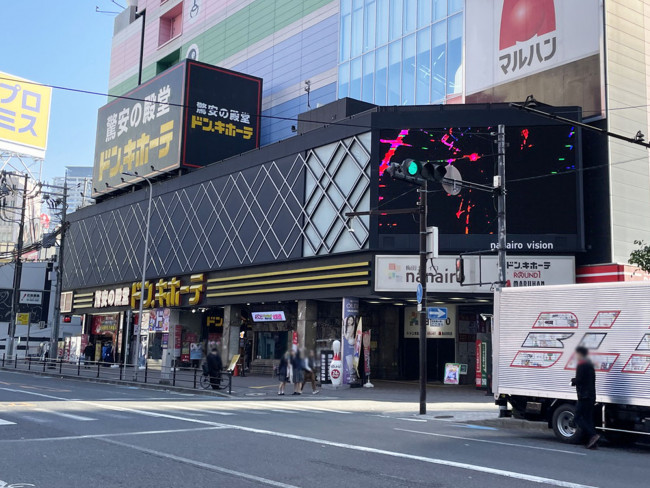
(261, 244)
(80, 181)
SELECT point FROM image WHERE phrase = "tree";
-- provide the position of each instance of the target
(641, 256)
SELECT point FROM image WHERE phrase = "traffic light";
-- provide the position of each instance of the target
(416, 171)
(460, 270)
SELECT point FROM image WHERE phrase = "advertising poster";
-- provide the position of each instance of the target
(178, 338)
(452, 373)
(348, 338)
(357, 347)
(366, 351)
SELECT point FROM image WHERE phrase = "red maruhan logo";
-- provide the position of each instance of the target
(523, 19)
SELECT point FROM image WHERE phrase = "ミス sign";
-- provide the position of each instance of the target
(188, 116)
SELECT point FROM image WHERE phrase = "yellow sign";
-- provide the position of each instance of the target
(167, 293)
(22, 319)
(24, 115)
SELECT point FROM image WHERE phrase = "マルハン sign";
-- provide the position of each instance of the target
(190, 115)
(511, 39)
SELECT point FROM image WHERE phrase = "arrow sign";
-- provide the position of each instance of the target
(437, 313)
(420, 292)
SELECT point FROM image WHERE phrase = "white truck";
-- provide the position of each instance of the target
(535, 333)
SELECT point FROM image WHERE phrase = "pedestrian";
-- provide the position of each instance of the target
(283, 372)
(89, 354)
(248, 354)
(585, 383)
(310, 372)
(297, 372)
(214, 368)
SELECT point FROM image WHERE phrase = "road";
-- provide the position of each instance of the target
(65, 433)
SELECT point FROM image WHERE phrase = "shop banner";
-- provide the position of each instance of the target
(452, 373)
(357, 347)
(178, 339)
(366, 351)
(348, 337)
(401, 273)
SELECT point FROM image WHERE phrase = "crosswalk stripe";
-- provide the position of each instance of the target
(68, 415)
(6, 422)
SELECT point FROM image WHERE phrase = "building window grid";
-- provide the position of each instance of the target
(442, 13)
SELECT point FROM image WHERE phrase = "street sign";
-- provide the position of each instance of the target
(437, 313)
(30, 297)
(419, 293)
(22, 319)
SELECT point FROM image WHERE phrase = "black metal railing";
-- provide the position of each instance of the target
(179, 377)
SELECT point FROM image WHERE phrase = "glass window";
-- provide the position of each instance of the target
(423, 73)
(344, 80)
(357, 28)
(367, 86)
(410, 15)
(395, 23)
(394, 72)
(408, 70)
(424, 12)
(355, 78)
(381, 71)
(438, 61)
(346, 24)
(439, 9)
(346, 6)
(369, 26)
(455, 54)
(382, 22)
(455, 6)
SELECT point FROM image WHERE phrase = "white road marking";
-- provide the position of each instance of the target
(67, 415)
(6, 422)
(200, 464)
(411, 420)
(352, 447)
(101, 436)
(486, 441)
(190, 411)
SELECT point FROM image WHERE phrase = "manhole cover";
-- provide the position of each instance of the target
(443, 417)
(255, 394)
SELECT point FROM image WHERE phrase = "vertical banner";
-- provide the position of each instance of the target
(357, 347)
(366, 352)
(478, 364)
(348, 338)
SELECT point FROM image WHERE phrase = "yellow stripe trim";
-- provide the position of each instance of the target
(289, 288)
(291, 280)
(290, 271)
(82, 301)
(81, 295)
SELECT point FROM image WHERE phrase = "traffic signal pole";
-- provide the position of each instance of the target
(18, 267)
(423, 306)
(500, 185)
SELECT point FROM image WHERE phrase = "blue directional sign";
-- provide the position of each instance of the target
(437, 313)
(420, 293)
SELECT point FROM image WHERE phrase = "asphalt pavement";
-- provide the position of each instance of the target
(65, 433)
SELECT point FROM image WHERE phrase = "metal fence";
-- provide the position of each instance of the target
(189, 378)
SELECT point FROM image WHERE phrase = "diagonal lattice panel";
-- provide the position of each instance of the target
(283, 209)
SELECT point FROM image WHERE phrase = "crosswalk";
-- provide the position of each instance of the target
(41, 415)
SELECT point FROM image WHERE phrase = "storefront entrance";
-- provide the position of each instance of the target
(271, 345)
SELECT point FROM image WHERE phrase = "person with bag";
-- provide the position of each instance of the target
(297, 372)
(283, 372)
(310, 372)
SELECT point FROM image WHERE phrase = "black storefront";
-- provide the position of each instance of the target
(267, 229)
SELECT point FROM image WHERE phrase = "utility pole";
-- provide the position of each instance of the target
(18, 267)
(423, 306)
(59, 277)
(500, 187)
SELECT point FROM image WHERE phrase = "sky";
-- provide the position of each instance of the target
(64, 43)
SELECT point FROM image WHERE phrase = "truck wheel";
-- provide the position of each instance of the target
(564, 426)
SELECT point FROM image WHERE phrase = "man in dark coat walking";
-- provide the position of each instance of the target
(585, 383)
(214, 368)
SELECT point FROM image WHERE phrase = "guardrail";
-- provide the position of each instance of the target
(189, 378)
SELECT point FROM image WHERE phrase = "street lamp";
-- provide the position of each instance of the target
(144, 270)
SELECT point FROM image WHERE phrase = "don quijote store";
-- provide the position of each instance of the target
(254, 252)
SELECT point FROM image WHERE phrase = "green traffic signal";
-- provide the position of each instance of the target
(413, 168)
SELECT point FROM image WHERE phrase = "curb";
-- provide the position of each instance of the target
(149, 386)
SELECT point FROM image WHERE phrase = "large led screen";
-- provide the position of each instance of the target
(543, 186)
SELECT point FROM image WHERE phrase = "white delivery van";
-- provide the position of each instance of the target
(536, 330)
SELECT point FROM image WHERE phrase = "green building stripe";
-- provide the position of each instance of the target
(242, 29)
